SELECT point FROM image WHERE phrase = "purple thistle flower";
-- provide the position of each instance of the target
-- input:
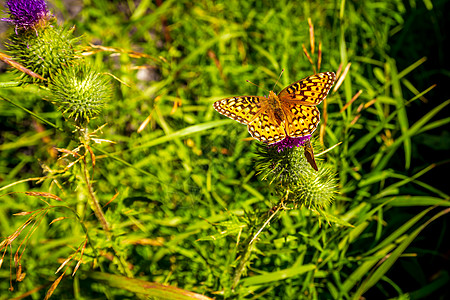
(290, 142)
(27, 14)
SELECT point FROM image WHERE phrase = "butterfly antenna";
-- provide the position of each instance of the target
(257, 85)
(282, 71)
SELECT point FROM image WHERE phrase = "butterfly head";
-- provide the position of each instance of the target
(272, 95)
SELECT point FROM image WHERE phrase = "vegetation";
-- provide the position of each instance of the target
(146, 191)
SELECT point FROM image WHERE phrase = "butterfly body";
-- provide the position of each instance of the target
(275, 107)
(292, 112)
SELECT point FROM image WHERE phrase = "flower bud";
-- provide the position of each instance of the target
(80, 92)
(45, 53)
(295, 182)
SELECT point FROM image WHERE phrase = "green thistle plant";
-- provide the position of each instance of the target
(294, 181)
(44, 53)
(80, 92)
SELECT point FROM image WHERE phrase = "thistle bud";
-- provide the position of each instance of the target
(52, 49)
(285, 166)
(80, 92)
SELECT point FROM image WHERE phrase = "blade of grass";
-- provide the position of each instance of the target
(180, 133)
(402, 117)
(387, 264)
(410, 132)
(151, 289)
(277, 275)
(32, 114)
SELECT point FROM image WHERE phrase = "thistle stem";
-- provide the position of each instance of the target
(249, 249)
(93, 201)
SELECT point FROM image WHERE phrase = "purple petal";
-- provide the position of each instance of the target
(26, 13)
(290, 142)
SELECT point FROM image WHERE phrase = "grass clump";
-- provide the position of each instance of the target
(166, 198)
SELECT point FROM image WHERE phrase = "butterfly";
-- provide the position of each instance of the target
(291, 113)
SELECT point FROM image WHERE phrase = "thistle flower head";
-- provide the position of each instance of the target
(294, 181)
(80, 92)
(27, 14)
(290, 142)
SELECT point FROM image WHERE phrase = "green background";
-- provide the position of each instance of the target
(189, 196)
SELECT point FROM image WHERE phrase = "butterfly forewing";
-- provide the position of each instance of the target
(309, 91)
(242, 109)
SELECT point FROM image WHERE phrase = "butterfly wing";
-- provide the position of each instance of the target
(255, 113)
(265, 129)
(301, 120)
(243, 109)
(309, 91)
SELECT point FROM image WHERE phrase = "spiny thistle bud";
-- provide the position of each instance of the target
(27, 14)
(45, 53)
(80, 92)
(295, 181)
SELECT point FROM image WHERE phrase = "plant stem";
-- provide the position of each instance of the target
(93, 201)
(95, 205)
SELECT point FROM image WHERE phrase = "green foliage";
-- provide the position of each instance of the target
(181, 197)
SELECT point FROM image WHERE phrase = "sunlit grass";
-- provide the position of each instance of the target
(189, 197)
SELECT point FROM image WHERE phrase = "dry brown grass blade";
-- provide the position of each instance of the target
(311, 35)
(351, 101)
(145, 123)
(24, 213)
(308, 56)
(19, 275)
(339, 70)
(43, 194)
(7, 59)
(56, 220)
(64, 263)
(25, 295)
(74, 154)
(112, 199)
(319, 57)
(342, 77)
(53, 287)
(213, 56)
(92, 156)
(81, 258)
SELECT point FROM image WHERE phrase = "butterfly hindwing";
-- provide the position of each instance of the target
(301, 120)
(265, 129)
(309, 91)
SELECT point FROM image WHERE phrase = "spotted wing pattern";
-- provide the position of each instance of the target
(309, 91)
(252, 111)
(242, 109)
(265, 129)
(301, 120)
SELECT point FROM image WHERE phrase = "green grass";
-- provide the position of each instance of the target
(189, 199)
